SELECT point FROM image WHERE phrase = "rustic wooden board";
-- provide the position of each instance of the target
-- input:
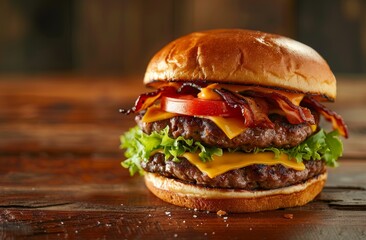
(49, 197)
(80, 114)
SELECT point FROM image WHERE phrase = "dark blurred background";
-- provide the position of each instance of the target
(117, 37)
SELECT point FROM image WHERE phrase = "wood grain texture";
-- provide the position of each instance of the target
(49, 197)
(80, 114)
(60, 173)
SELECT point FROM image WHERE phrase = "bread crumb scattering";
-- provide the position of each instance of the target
(221, 213)
(288, 216)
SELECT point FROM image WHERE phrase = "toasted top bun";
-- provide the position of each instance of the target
(243, 57)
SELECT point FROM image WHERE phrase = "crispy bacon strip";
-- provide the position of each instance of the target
(294, 114)
(145, 100)
(189, 88)
(251, 104)
(235, 101)
(253, 112)
(259, 108)
(329, 115)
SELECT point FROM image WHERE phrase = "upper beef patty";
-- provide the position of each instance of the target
(283, 135)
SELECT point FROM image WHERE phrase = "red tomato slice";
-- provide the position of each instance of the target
(189, 105)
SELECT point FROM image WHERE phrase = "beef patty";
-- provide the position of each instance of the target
(253, 177)
(283, 135)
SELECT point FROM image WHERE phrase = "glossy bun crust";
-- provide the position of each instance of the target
(243, 57)
(230, 200)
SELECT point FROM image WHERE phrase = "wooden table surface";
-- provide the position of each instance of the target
(60, 173)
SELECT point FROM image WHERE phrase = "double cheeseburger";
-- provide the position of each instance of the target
(233, 122)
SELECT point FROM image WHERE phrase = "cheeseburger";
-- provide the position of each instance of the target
(233, 122)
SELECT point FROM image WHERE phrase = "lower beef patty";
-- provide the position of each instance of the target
(283, 135)
(253, 177)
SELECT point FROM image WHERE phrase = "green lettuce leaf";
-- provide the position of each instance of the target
(320, 146)
(139, 146)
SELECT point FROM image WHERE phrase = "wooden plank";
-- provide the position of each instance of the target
(63, 138)
(171, 223)
(43, 173)
(76, 115)
(50, 197)
(80, 114)
(70, 172)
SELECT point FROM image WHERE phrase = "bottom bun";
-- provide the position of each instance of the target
(231, 200)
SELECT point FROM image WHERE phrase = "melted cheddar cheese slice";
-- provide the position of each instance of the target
(234, 160)
(230, 126)
(155, 113)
